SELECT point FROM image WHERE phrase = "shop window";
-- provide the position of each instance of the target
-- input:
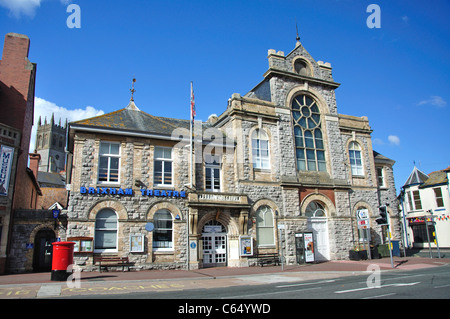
(106, 231)
(163, 166)
(420, 233)
(264, 226)
(108, 167)
(260, 149)
(354, 151)
(309, 145)
(162, 233)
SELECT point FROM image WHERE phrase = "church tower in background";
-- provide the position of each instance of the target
(50, 144)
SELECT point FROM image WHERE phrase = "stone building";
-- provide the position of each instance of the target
(50, 144)
(279, 161)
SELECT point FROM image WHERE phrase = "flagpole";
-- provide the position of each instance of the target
(191, 167)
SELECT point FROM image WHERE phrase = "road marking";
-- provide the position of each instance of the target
(306, 284)
(268, 293)
(379, 296)
(444, 286)
(49, 291)
(383, 286)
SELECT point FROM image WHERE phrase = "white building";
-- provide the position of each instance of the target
(426, 198)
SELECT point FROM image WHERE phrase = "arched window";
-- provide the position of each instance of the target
(264, 226)
(315, 209)
(301, 68)
(309, 146)
(162, 233)
(260, 149)
(106, 230)
(354, 151)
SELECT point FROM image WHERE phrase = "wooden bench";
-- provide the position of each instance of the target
(112, 261)
(264, 259)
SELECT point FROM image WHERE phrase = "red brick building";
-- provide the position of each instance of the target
(17, 85)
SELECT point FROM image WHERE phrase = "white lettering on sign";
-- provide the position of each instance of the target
(225, 198)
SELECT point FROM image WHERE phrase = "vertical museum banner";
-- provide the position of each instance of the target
(6, 160)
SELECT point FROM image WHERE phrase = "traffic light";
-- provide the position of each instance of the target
(383, 216)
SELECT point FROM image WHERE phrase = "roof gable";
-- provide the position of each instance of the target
(416, 177)
(132, 119)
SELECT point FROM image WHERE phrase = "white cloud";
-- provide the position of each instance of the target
(434, 100)
(19, 7)
(394, 139)
(377, 141)
(26, 7)
(45, 109)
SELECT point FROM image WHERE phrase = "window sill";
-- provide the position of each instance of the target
(105, 251)
(263, 170)
(162, 251)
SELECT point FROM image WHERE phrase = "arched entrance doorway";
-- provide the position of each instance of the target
(317, 222)
(214, 237)
(43, 250)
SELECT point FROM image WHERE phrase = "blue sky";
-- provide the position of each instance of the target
(397, 75)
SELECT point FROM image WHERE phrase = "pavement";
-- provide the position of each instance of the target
(40, 285)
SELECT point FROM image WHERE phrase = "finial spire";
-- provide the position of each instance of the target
(298, 37)
(132, 90)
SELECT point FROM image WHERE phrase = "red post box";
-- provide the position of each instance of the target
(62, 258)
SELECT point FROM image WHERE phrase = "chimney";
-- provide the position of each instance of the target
(35, 158)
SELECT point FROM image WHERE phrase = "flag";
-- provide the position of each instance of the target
(192, 104)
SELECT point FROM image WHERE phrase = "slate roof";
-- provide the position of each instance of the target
(416, 177)
(132, 119)
(48, 179)
(379, 158)
(435, 178)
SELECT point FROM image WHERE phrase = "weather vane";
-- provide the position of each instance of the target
(296, 27)
(132, 90)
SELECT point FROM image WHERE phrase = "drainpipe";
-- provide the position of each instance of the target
(405, 233)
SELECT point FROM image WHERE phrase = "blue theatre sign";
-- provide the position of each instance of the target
(129, 192)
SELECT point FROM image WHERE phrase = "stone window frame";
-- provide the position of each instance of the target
(121, 213)
(265, 226)
(308, 65)
(356, 170)
(327, 203)
(212, 162)
(252, 132)
(119, 156)
(171, 160)
(107, 250)
(320, 126)
(161, 210)
(178, 223)
(260, 203)
(383, 184)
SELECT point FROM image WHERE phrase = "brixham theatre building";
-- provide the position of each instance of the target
(279, 162)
